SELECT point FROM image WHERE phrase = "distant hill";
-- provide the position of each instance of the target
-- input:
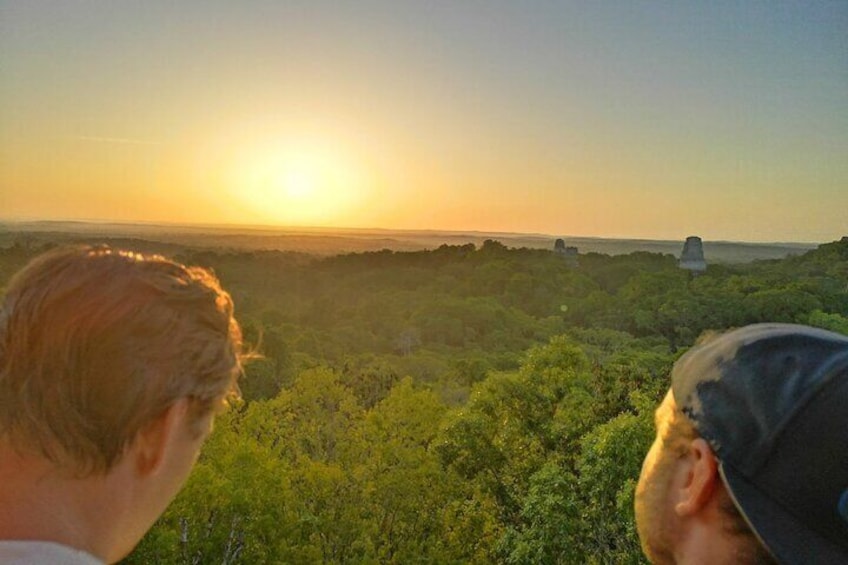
(329, 241)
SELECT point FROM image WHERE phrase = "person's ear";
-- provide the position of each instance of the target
(701, 479)
(154, 439)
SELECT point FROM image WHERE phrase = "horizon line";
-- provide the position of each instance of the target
(453, 232)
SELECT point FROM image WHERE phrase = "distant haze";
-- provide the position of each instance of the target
(330, 242)
(616, 119)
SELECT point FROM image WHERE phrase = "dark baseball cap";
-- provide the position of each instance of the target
(772, 401)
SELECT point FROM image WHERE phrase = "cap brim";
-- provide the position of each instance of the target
(788, 540)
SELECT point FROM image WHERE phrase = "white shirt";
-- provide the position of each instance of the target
(43, 552)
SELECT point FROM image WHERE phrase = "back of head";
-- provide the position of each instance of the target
(95, 343)
(771, 401)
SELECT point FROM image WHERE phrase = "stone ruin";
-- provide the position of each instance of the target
(567, 253)
(692, 257)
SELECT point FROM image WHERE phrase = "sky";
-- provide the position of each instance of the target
(636, 119)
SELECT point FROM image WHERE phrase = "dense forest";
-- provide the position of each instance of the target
(461, 405)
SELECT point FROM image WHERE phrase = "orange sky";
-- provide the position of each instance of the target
(619, 121)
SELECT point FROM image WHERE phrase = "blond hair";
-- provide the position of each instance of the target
(95, 343)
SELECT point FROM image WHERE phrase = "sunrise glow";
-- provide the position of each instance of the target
(607, 119)
(287, 184)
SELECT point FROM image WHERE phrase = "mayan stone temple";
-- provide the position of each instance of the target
(567, 253)
(692, 257)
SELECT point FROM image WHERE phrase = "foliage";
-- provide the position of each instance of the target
(458, 405)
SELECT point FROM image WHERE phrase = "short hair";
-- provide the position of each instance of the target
(678, 435)
(96, 343)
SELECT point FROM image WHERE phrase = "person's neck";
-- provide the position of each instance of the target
(39, 503)
(705, 542)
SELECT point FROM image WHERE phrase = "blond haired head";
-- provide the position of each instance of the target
(95, 343)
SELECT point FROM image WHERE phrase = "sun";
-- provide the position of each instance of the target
(293, 185)
(299, 184)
